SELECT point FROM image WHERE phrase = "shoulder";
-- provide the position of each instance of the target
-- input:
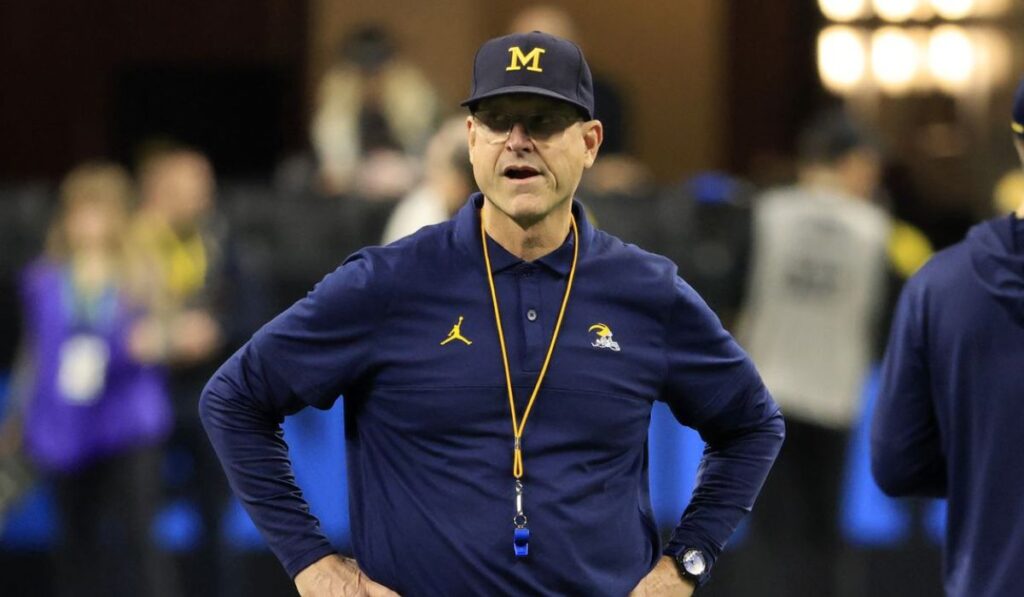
(774, 207)
(426, 249)
(944, 270)
(872, 218)
(650, 283)
(40, 271)
(420, 208)
(779, 197)
(940, 281)
(634, 275)
(623, 259)
(38, 283)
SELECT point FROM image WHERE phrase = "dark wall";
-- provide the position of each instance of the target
(772, 83)
(68, 68)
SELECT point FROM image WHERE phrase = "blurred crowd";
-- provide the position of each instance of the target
(121, 292)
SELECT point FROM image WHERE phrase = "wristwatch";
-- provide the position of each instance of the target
(692, 565)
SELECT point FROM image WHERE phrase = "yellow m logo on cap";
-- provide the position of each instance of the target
(531, 61)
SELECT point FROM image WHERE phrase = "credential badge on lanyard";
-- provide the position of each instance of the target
(85, 355)
(83, 368)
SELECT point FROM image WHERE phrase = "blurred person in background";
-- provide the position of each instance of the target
(618, 173)
(94, 403)
(609, 103)
(181, 253)
(174, 250)
(949, 418)
(816, 293)
(705, 228)
(447, 181)
(375, 112)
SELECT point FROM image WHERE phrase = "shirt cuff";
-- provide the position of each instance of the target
(683, 540)
(297, 564)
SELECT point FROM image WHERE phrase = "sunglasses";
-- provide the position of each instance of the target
(538, 127)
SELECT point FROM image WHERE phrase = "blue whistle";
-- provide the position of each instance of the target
(521, 542)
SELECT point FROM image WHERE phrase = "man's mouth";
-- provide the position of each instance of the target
(520, 172)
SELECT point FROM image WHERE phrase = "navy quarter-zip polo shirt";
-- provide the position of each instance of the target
(428, 429)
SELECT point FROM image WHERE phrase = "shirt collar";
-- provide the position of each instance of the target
(467, 237)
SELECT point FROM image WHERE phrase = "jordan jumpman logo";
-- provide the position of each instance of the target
(456, 334)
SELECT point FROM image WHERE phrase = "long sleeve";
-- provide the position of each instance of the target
(712, 386)
(308, 355)
(906, 453)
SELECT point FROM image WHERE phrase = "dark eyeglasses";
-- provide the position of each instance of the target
(539, 127)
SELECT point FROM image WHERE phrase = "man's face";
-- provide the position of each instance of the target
(529, 153)
(184, 186)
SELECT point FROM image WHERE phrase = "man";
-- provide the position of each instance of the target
(816, 293)
(949, 418)
(177, 188)
(498, 373)
(183, 252)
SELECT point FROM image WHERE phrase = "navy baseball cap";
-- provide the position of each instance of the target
(1017, 124)
(535, 63)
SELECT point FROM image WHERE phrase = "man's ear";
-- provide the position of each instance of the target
(470, 136)
(593, 135)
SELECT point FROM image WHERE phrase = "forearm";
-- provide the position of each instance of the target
(906, 448)
(250, 445)
(730, 477)
(906, 458)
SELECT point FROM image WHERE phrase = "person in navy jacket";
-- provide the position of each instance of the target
(950, 415)
(498, 372)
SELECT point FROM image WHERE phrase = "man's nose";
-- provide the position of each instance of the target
(518, 138)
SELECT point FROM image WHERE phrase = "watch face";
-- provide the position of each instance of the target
(693, 562)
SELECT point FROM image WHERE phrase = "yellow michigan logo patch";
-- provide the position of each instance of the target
(531, 60)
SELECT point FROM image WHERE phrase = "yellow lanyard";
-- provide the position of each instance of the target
(518, 426)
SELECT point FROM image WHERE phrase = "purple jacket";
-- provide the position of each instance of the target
(79, 411)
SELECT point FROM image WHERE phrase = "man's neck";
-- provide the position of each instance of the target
(533, 242)
(1020, 212)
(92, 269)
(821, 177)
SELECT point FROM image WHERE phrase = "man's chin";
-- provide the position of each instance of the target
(526, 209)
